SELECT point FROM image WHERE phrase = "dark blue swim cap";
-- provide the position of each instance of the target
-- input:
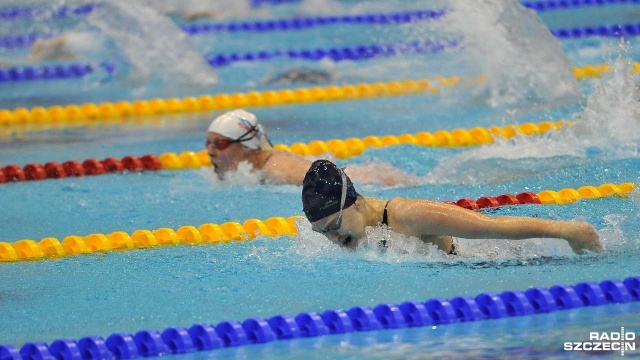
(322, 190)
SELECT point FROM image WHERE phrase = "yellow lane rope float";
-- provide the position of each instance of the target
(138, 108)
(51, 247)
(346, 148)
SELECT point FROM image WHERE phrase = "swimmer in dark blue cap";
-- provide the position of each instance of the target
(334, 208)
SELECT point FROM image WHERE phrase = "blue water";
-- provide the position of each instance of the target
(100, 294)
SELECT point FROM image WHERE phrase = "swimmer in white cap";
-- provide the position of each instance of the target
(237, 136)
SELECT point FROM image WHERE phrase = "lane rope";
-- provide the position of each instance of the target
(204, 103)
(266, 25)
(24, 12)
(340, 148)
(351, 53)
(257, 330)
(261, 26)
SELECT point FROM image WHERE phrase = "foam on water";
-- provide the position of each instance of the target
(244, 175)
(157, 50)
(606, 129)
(514, 51)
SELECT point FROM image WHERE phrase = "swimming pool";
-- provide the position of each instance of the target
(526, 79)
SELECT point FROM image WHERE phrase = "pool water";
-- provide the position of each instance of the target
(528, 78)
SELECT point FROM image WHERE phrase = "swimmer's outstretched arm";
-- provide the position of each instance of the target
(424, 217)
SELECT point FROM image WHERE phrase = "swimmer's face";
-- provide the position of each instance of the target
(347, 231)
(225, 155)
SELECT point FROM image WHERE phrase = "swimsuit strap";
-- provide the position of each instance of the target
(383, 242)
(264, 181)
(453, 250)
(267, 159)
(384, 214)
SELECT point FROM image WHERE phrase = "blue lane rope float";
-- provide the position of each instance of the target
(616, 30)
(31, 12)
(309, 22)
(354, 53)
(567, 4)
(26, 40)
(51, 72)
(535, 5)
(433, 312)
(9, 13)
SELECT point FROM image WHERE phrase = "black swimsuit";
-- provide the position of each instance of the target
(385, 219)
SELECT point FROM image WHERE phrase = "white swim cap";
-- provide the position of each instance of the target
(240, 125)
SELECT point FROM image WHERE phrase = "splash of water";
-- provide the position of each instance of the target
(608, 129)
(400, 248)
(245, 175)
(514, 51)
(153, 45)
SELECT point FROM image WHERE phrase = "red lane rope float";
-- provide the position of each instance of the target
(504, 199)
(547, 197)
(56, 170)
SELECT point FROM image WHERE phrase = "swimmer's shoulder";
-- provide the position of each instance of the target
(279, 157)
(408, 208)
(285, 168)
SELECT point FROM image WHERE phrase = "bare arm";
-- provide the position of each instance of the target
(424, 218)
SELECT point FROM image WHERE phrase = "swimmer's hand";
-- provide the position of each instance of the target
(582, 237)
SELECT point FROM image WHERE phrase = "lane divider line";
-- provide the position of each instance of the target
(342, 149)
(205, 103)
(257, 330)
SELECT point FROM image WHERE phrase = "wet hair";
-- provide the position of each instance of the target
(322, 190)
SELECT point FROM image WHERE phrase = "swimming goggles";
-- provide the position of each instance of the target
(335, 225)
(223, 144)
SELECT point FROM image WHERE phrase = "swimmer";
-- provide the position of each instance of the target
(52, 49)
(236, 136)
(334, 208)
(300, 75)
(71, 46)
(192, 10)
